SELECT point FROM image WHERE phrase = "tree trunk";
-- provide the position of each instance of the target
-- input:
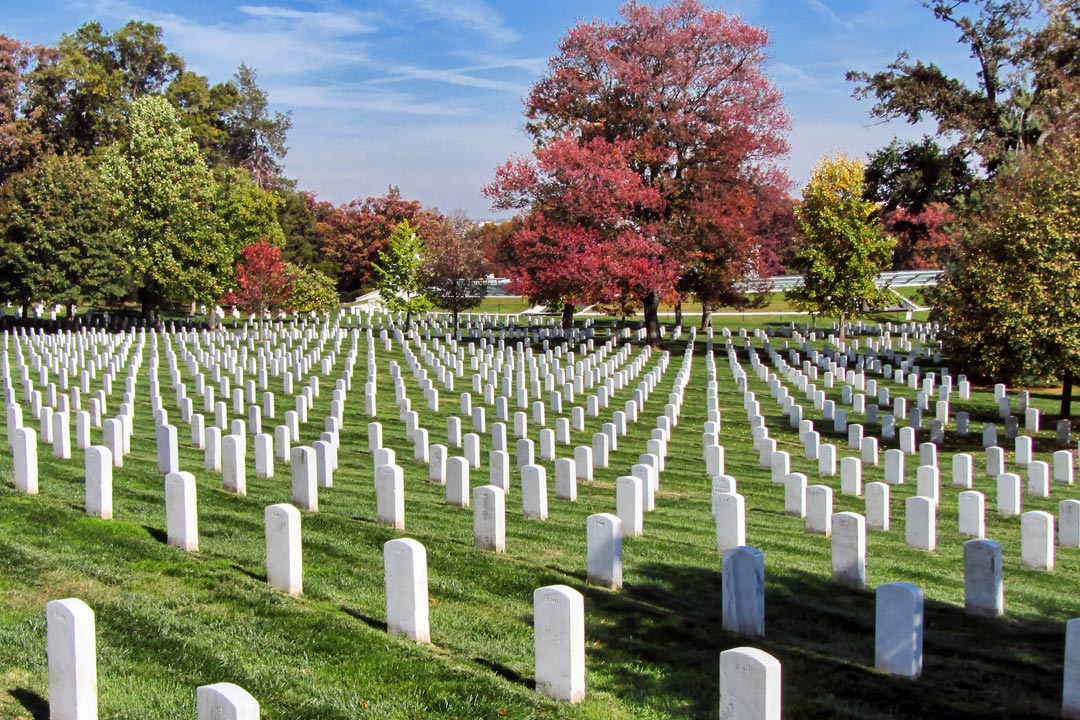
(651, 303)
(843, 327)
(706, 316)
(567, 316)
(455, 321)
(678, 314)
(1066, 396)
(145, 301)
(211, 317)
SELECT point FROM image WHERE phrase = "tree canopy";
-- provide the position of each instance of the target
(651, 138)
(844, 247)
(1010, 293)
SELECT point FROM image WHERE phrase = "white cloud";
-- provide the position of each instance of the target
(472, 15)
(335, 23)
(362, 98)
(459, 77)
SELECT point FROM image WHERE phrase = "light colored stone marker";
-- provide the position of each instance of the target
(603, 534)
(898, 629)
(984, 589)
(437, 464)
(233, 465)
(559, 642)
(225, 701)
(743, 591)
(1008, 494)
(1068, 523)
(628, 505)
(795, 495)
(972, 510)
(390, 496)
(849, 549)
(264, 455)
(98, 467)
(181, 511)
(284, 555)
(489, 518)
(1070, 695)
(1037, 540)
(750, 685)
(920, 525)
(305, 489)
(566, 479)
(534, 504)
(851, 476)
(405, 568)
(729, 510)
(167, 450)
(819, 502)
(72, 657)
(25, 460)
(499, 469)
(457, 482)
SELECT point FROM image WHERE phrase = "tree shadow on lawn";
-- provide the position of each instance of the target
(823, 635)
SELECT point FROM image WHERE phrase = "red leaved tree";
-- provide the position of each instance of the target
(263, 281)
(652, 137)
(354, 234)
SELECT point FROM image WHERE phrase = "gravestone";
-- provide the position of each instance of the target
(406, 581)
(225, 701)
(743, 596)
(559, 643)
(284, 561)
(984, 589)
(898, 629)
(849, 549)
(1037, 540)
(750, 685)
(604, 550)
(877, 506)
(181, 511)
(390, 496)
(489, 518)
(71, 648)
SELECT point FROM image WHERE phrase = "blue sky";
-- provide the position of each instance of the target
(427, 94)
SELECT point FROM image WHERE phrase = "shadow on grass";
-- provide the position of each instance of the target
(157, 533)
(371, 622)
(506, 673)
(823, 635)
(34, 704)
(260, 577)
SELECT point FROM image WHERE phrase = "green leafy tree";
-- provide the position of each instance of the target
(454, 273)
(81, 101)
(1010, 296)
(164, 208)
(248, 212)
(844, 247)
(313, 291)
(256, 137)
(397, 273)
(54, 236)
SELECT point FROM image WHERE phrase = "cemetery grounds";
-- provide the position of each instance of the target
(168, 620)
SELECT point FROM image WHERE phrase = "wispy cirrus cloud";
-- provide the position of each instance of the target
(473, 15)
(362, 98)
(825, 11)
(461, 77)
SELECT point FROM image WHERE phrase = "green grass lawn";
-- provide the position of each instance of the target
(168, 621)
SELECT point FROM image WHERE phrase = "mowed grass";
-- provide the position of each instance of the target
(168, 621)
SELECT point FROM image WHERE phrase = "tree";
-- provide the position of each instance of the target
(844, 247)
(651, 137)
(256, 139)
(163, 198)
(21, 141)
(248, 212)
(1009, 296)
(355, 234)
(454, 273)
(313, 292)
(55, 243)
(397, 273)
(81, 101)
(264, 282)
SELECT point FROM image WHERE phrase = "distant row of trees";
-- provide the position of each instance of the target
(124, 176)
